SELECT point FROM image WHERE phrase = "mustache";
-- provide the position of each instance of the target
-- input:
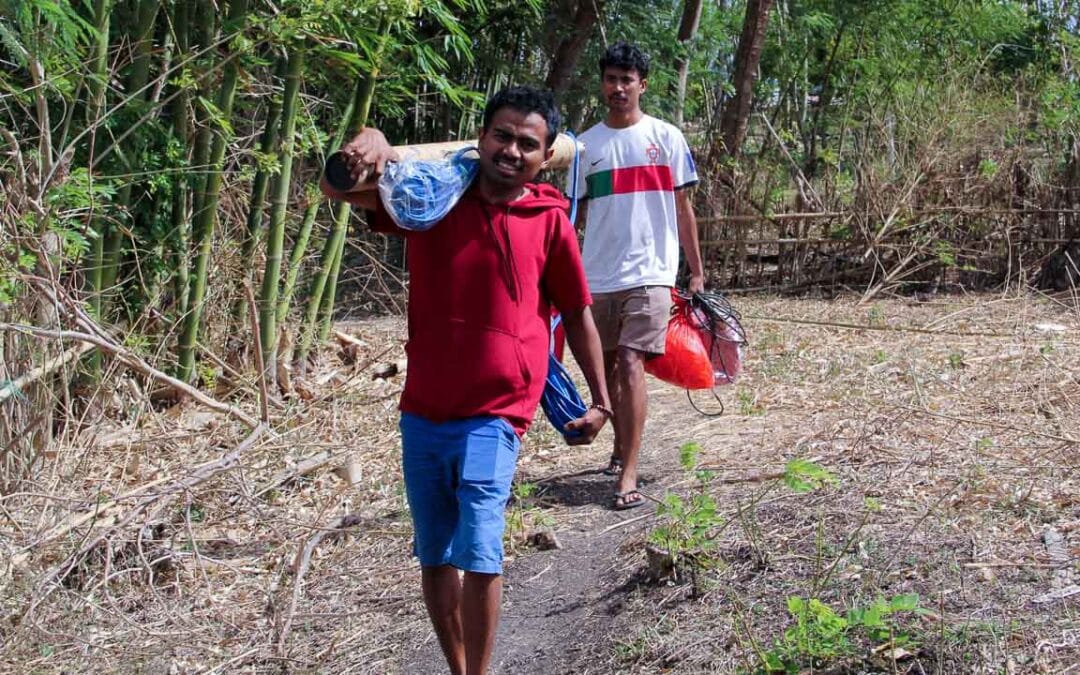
(503, 157)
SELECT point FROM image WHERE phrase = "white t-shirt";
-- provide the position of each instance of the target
(630, 177)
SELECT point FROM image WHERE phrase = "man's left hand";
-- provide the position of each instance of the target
(588, 424)
(697, 284)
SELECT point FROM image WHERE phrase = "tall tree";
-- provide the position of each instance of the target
(688, 26)
(568, 52)
(736, 114)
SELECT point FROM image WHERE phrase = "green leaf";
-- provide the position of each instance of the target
(688, 455)
(803, 476)
(907, 602)
(796, 605)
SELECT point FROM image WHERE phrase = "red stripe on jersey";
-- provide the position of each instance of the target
(654, 177)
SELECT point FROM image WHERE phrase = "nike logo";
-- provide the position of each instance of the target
(596, 162)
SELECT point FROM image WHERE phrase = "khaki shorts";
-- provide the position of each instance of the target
(636, 318)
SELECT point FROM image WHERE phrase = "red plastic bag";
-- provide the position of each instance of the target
(685, 361)
(726, 352)
(699, 353)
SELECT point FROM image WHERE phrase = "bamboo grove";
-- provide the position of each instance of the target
(159, 158)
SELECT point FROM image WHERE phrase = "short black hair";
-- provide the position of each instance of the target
(626, 56)
(527, 100)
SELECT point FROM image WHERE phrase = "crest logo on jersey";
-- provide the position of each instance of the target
(653, 153)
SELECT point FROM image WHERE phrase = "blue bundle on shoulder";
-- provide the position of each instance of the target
(418, 193)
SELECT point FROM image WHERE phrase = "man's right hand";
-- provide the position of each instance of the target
(368, 148)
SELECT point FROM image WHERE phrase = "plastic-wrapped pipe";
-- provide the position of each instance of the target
(339, 177)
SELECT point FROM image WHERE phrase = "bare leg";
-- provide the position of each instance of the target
(611, 371)
(443, 597)
(629, 413)
(481, 599)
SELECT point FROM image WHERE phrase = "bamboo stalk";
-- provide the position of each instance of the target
(326, 307)
(179, 212)
(206, 216)
(562, 157)
(203, 36)
(959, 210)
(320, 307)
(94, 106)
(276, 235)
(259, 187)
(332, 250)
(112, 249)
(300, 243)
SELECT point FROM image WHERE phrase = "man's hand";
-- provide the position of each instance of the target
(697, 284)
(588, 424)
(368, 148)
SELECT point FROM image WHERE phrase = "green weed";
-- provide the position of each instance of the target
(748, 403)
(690, 525)
(524, 516)
(820, 637)
(875, 316)
(956, 360)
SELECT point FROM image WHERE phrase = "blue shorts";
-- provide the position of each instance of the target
(457, 479)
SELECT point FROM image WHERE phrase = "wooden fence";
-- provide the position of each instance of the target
(967, 246)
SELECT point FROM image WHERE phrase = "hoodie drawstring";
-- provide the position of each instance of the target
(506, 253)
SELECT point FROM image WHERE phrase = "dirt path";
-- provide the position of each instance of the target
(561, 607)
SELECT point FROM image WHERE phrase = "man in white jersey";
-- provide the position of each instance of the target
(635, 173)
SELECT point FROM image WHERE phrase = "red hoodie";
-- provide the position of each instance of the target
(481, 285)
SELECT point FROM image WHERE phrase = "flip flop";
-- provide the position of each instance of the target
(614, 467)
(622, 501)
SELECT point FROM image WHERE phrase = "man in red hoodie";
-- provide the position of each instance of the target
(482, 284)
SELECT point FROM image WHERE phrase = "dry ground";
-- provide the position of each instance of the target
(951, 428)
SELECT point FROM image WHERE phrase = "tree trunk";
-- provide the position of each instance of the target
(691, 19)
(564, 62)
(736, 114)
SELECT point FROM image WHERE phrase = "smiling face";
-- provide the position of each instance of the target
(513, 149)
(622, 89)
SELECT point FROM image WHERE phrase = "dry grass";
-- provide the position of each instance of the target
(955, 453)
(965, 442)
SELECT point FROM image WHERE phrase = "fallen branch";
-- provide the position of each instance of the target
(887, 329)
(135, 363)
(260, 364)
(300, 568)
(303, 468)
(749, 478)
(107, 518)
(17, 385)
